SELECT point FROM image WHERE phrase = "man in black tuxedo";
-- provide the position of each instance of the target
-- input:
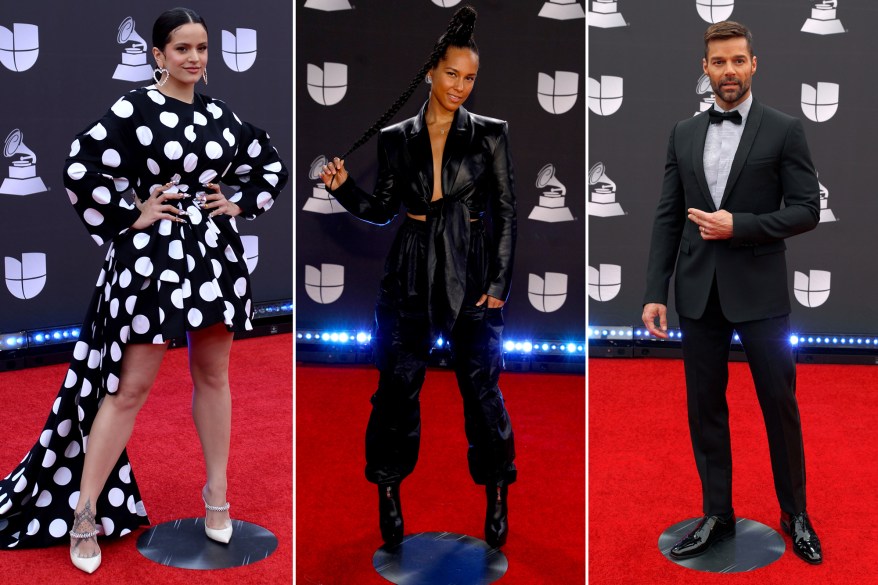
(738, 182)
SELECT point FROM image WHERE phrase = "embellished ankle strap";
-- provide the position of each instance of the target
(223, 508)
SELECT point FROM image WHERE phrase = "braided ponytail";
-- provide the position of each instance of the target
(458, 34)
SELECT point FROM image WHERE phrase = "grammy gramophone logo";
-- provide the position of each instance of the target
(703, 88)
(602, 196)
(826, 215)
(134, 66)
(551, 207)
(329, 5)
(824, 20)
(605, 14)
(22, 179)
(320, 200)
(564, 9)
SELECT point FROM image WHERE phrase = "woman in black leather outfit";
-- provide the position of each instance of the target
(445, 274)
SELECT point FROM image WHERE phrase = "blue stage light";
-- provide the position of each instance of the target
(343, 337)
(509, 346)
(325, 337)
(361, 337)
(528, 346)
(545, 347)
(794, 340)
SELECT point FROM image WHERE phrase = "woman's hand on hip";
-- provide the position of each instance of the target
(157, 207)
(216, 202)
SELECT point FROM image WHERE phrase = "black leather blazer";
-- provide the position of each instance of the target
(477, 178)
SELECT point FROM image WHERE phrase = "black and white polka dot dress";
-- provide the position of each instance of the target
(155, 284)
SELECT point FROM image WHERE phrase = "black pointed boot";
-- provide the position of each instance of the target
(390, 514)
(496, 522)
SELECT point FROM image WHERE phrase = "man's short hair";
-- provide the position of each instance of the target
(727, 29)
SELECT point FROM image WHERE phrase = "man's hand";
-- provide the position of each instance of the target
(650, 312)
(712, 226)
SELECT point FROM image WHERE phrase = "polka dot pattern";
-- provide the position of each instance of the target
(154, 285)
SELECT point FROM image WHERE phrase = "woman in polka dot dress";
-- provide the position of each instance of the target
(175, 266)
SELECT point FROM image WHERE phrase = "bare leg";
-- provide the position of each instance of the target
(112, 428)
(212, 411)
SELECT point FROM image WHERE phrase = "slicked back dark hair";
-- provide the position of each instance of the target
(171, 20)
(458, 34)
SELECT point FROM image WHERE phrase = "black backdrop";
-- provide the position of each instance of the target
(70, 85)
(382, 43)
(658, 56)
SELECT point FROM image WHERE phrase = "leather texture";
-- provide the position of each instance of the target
(477, 181)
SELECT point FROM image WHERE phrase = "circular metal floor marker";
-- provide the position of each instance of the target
(440, 558)
(754, 545)
(183, 544)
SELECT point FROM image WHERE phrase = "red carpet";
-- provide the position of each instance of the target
(166, 458)
(642, 476)
(336, 508)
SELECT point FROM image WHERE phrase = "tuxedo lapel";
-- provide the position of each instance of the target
(698, 157)
(754, 118)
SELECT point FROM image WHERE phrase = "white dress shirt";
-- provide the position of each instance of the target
(720, 147)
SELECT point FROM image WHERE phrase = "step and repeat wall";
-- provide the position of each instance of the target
(62, 65)
(645, 74)
(354, 58)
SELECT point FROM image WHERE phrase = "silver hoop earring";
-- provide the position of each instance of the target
(204, 75)
(161, 76)
(430, 79)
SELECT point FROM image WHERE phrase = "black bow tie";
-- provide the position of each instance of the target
(717, 117)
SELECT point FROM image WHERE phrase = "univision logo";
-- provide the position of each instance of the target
(547, 294)
(251, 252)
(823, 19)
(324, 285)
(22, 179)
(605, 14)
(558, 94)
(564, 9)
(604, 282)
(714, 11)
(239, 49)
(320, 200)
(605, 96)
(446, 3)
(26, 278)
(19, 47)
(328, 5)
(812, 289)
(327, 86)
(820, 103)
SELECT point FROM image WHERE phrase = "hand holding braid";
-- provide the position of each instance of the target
(458, 34)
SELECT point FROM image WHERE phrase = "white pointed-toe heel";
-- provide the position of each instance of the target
(87, 564)
(223, 535)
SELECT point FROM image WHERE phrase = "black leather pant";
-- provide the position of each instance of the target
(401, 343)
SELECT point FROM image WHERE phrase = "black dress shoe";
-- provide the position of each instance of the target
(806, 545)
(390, 514)
(496, 521)
(709, 531)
